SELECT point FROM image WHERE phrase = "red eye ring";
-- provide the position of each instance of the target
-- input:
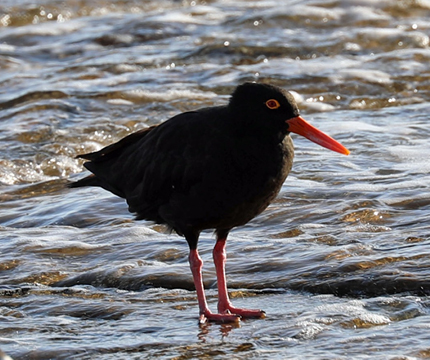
(273, 104)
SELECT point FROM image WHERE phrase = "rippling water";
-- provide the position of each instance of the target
(340, 261)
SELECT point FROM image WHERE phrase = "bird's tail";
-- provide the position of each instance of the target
(86, 181)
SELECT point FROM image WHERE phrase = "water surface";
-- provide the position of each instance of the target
(340, 261)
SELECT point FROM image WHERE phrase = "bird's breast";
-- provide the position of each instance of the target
(254, 180)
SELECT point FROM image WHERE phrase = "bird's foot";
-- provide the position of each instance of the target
(230, 315)
(208, 316)
(243, 313)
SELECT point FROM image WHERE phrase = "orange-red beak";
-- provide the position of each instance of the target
(300, 126)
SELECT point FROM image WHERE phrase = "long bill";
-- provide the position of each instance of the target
(300, 126)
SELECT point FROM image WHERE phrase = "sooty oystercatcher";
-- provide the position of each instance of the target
(213, 168)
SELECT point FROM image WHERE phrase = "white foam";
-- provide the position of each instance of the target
(318, 106)
(119, 102)
(312, 226)
(359, 13)
(299, 98)
(312, 11)
(372, 76)
(28, 172)
(309, 329)
(198, 15)
(168, 95)
(45, 29)
(411, 153)
(7, 48)
(320, 66)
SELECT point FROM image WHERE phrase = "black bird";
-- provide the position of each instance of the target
(213, 168)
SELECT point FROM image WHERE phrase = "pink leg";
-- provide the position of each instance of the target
(196, 265)
(224, 304)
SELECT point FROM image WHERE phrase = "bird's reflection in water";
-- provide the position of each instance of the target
(224, 329)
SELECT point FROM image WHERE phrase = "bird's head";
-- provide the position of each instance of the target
(267, 107)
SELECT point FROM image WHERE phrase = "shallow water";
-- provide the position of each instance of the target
(339, 262)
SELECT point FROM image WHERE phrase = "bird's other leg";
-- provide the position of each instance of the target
(196, 265)
(224, 304)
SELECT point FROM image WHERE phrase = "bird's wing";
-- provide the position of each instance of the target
(149, 168)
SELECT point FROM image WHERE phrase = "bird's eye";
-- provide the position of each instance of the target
(273, 104)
